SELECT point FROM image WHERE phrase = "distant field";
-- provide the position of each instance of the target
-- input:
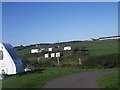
(70, 58)
(39, 79)
(95, 47)
(99, 47)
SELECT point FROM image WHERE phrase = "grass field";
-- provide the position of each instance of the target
(99, 47)
(95, 47)
(39, 79)
(36, 79)
(108, 81)
(0, 84)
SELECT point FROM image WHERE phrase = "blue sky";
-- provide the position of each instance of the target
(27, 23)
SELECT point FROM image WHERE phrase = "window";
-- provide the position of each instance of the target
(1, 55)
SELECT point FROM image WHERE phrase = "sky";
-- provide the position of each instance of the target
(25, 23)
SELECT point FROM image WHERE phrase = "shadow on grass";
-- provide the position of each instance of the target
(35, 71)
(26, 73)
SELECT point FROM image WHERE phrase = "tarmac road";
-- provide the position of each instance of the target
(80, 80)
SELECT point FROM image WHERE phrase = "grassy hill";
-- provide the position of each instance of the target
(102, 54)
(95, 48)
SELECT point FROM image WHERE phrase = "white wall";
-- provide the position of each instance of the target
(46, 55)
(50, 49)
(52, 54)
(67, 48)
(34, 50)
(58, 54)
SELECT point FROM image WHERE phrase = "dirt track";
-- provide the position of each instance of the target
(79, 80)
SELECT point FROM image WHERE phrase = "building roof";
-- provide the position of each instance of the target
(108, 37)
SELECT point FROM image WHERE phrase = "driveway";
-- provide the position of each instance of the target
(85, 79)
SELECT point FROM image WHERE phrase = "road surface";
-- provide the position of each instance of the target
(80, 80)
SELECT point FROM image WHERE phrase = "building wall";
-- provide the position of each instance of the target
(67, 48)
(46, 55)
(34, 50)
(50, 49)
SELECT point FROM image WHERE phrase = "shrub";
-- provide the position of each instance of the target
(104, 61)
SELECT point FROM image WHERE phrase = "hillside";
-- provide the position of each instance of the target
(95, 48)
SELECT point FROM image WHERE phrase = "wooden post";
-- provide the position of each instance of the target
(58, 61)
(38, 59)
(38, 55)
(80, 63)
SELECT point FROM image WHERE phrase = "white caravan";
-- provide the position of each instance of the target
(10, 62)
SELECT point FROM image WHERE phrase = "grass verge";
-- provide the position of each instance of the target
(108, 81)
(38, 79)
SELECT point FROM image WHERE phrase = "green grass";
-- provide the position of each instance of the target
(95, 47)
(38, 79)
(0, 84)
(108, 81)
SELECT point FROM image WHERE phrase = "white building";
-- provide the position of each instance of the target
(50, 49)
(46, 55)
(52, 54)
(67, 48)
(35, 51)
(58, 54)
(109, 38)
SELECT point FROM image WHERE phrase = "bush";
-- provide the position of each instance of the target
(104, 61)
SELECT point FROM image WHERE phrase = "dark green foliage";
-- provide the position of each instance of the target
(104, 61)
(48, 63)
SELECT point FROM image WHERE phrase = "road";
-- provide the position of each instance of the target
(80, 80)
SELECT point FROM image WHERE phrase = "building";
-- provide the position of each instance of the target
(109, 38)
(35, 51)
(50, 49)
(52, 54)
(58, 54)
(46, 55)
(67, 48)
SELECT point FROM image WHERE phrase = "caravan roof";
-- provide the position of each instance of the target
(6, 45)
(11, 51)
